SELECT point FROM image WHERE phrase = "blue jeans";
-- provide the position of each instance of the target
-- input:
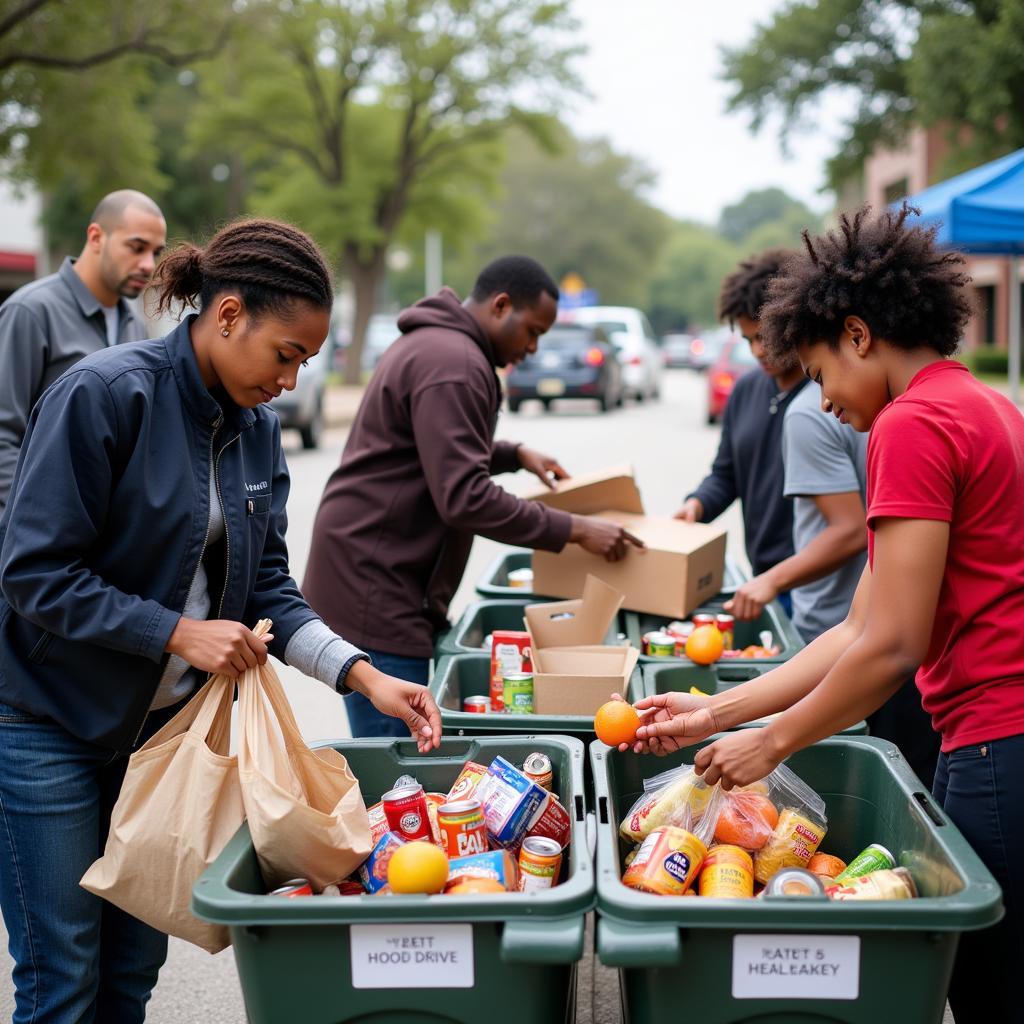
(363, 718)
(786, 600)
(77, 958)
(980, 789)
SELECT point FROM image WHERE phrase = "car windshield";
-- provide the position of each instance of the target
(559, 338)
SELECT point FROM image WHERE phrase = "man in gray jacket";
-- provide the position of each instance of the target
(50, 324)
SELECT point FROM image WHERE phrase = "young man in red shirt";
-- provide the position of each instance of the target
(874, 310)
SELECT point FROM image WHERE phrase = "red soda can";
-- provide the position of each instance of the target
(726, 626)
(406, 811)
(294, 887)
(477, 705)
(703, 619)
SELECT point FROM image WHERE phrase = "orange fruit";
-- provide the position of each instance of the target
(470, 886)
(747, 820)
(826, 864)
(704, 645)
(418, 867)
(616, 722)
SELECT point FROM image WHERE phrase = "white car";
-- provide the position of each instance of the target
(634, 338)
(303, 408)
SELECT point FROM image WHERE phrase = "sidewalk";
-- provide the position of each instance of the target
(341, 401)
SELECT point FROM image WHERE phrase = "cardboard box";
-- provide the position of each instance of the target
(573, 673)
(682, 568)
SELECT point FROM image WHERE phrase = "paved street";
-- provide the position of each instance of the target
(669, 447)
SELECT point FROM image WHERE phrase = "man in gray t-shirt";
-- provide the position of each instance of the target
(825, 475)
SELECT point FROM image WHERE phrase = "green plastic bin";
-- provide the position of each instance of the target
(494, 582)
(664, 675)
(484, 617)
(517, 953)
(714, 960)
(746, 633)
(468, 675)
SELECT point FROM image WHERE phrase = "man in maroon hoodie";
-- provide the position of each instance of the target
(398, 515)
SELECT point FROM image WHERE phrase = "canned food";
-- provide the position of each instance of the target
(537, 767)
(667, 862)
(539, 861)
(885, 884)
(294, 887)
(520, 578)
(661, 645)
(406, 811)
(727, 873)
(727, 627)
(794, 882)
(477, 705)
(518, 693)
(871, 858)
(462, 828)
(702, 619)
(680, 630)
(510, 653)
(645, 641)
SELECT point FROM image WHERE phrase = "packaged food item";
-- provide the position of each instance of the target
(800, 829)
(795, 882)
(474, 887)
(350, 887)
(680, 630)
(827, 866)
(520, 578)
(462, 828)
(727, 627)
(517, 693)
(552, 822)
(405, 808)
(511, 802)
(537, 766)
(378, 821)
(748, 819)
(884, 884)
(476, 705)
(661, 645)
(727, 873)
(671, 798)
(871, 858)
(469, 778)
(499, 865)
(434, 801)
(702, 619)
(510, 654)
(373, 872)
(540, 860)
(294, 887)
(667, 862)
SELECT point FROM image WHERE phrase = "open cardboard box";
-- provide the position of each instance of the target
(573, 672)
(682, 568)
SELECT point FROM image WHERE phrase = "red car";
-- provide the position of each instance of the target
(733, 362)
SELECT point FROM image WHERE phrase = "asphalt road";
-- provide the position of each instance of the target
(669, 446)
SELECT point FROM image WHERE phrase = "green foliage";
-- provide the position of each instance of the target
(769, 206)
(956, 62)
(987, 360)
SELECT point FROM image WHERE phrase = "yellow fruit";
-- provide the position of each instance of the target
(418, 867)
(475, 886)
(704, 645)
(698, 692)
(616, 722)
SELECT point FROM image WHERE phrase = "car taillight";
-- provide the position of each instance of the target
(594, 357)
(696, 346)
(635, 361)
(723, 381)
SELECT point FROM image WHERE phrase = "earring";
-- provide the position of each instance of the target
(225, 332)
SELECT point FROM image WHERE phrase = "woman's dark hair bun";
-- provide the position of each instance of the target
(179, 277)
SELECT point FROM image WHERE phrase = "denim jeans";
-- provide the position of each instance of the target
(363, 718)
(77, 958)
(980, 789)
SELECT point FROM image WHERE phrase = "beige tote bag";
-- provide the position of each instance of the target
(179, 805)
(305, 809)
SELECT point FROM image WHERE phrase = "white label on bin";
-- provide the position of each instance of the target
(412, 956)
(795, 966)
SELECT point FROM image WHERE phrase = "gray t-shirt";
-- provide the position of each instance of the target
(822, 456)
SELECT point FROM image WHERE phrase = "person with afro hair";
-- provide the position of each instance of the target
(874, 310)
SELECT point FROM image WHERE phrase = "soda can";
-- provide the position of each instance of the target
(871, 858)
(520, 578)
(462, 828)
(406, 812)
(702, 619)
(661, 645)
(540, 859)
(537, 767)
(884, 884)
(294, 887)
(518, 693)
(477, 705)
(727, 627)
(727, 873)
(795, 882)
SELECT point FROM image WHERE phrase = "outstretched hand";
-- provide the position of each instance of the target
(543, 467)
(671, 721)
(398, 698)
(738, 758)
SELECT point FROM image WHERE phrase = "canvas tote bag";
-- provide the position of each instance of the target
(305, 809)
(179, 805)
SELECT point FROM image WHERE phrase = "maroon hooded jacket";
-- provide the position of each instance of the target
(398, 515)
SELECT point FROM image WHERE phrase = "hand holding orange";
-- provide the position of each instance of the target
(616, 722)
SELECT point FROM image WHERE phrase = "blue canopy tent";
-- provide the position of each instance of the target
(982, 211)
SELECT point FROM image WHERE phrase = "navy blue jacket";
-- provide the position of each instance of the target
(107, 525)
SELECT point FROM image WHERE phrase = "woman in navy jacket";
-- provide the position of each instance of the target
(145, 534)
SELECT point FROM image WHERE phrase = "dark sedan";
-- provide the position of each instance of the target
(571, 361)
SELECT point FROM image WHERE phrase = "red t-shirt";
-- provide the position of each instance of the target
(951, 449)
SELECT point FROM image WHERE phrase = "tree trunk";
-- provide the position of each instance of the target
(365, 275)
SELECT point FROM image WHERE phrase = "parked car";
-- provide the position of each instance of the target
(675, 349)
(733, 362)
(303, 408)
(706, 347)
(571, 361)
(634, 339)
(381, 331)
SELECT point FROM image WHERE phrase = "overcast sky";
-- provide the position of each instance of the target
(653, 68)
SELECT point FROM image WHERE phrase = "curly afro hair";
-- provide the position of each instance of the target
(893, 276)
(744, 291)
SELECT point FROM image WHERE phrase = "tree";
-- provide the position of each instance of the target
(766, 206)
(71, 73)
(360, 117)
(952, 62)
